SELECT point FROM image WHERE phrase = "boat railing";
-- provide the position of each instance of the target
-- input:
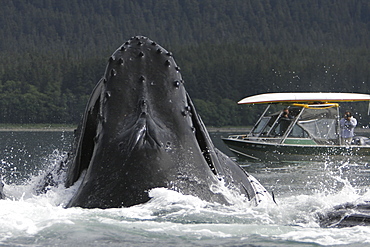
(237, 137)
(259, 139)
(361, 141)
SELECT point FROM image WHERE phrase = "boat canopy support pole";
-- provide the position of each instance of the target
(259, 120)
(290, 127)
(338, 127)
(275, 123)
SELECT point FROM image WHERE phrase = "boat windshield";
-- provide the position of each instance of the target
(275, 125)
(319, 124)
(261, 125)
(298, 132)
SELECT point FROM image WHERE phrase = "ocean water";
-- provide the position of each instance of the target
(302, 190)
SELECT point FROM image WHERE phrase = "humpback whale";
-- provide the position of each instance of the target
(2, 196)
(140, 131)
(346, 215)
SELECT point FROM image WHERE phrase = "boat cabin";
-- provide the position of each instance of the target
(308, 124)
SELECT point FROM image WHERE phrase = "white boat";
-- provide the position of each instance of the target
(311, 132)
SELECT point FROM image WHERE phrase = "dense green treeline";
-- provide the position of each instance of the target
(53, 52)
(273, 69)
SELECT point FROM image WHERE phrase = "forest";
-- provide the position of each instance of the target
(54, 52)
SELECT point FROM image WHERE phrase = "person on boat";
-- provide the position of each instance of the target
(347, 126)
(286, 114)
(285, 120)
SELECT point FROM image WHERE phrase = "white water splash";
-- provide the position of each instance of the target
(179, 217)
(171, 218)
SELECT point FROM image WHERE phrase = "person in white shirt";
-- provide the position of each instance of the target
(347, 126)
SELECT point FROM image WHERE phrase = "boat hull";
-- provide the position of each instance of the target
(263, 151)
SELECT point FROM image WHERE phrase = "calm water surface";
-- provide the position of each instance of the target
(171, 219)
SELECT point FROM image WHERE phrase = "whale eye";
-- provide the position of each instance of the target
(142, 78)
(141, 54)
(111, 59)
(123, 48)
(169, 54)
(113, 72)
(167, 63)
(120, 61)
(177, 68)
(140, 43)
(159, 51)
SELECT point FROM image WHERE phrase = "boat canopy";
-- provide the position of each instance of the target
(311, 97)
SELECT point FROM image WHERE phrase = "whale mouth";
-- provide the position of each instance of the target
(202, 137)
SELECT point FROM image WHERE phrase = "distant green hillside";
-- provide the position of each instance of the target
(53, 52)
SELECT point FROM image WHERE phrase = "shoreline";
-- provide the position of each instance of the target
(71, 129)
(245, 129)
(18, 129)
